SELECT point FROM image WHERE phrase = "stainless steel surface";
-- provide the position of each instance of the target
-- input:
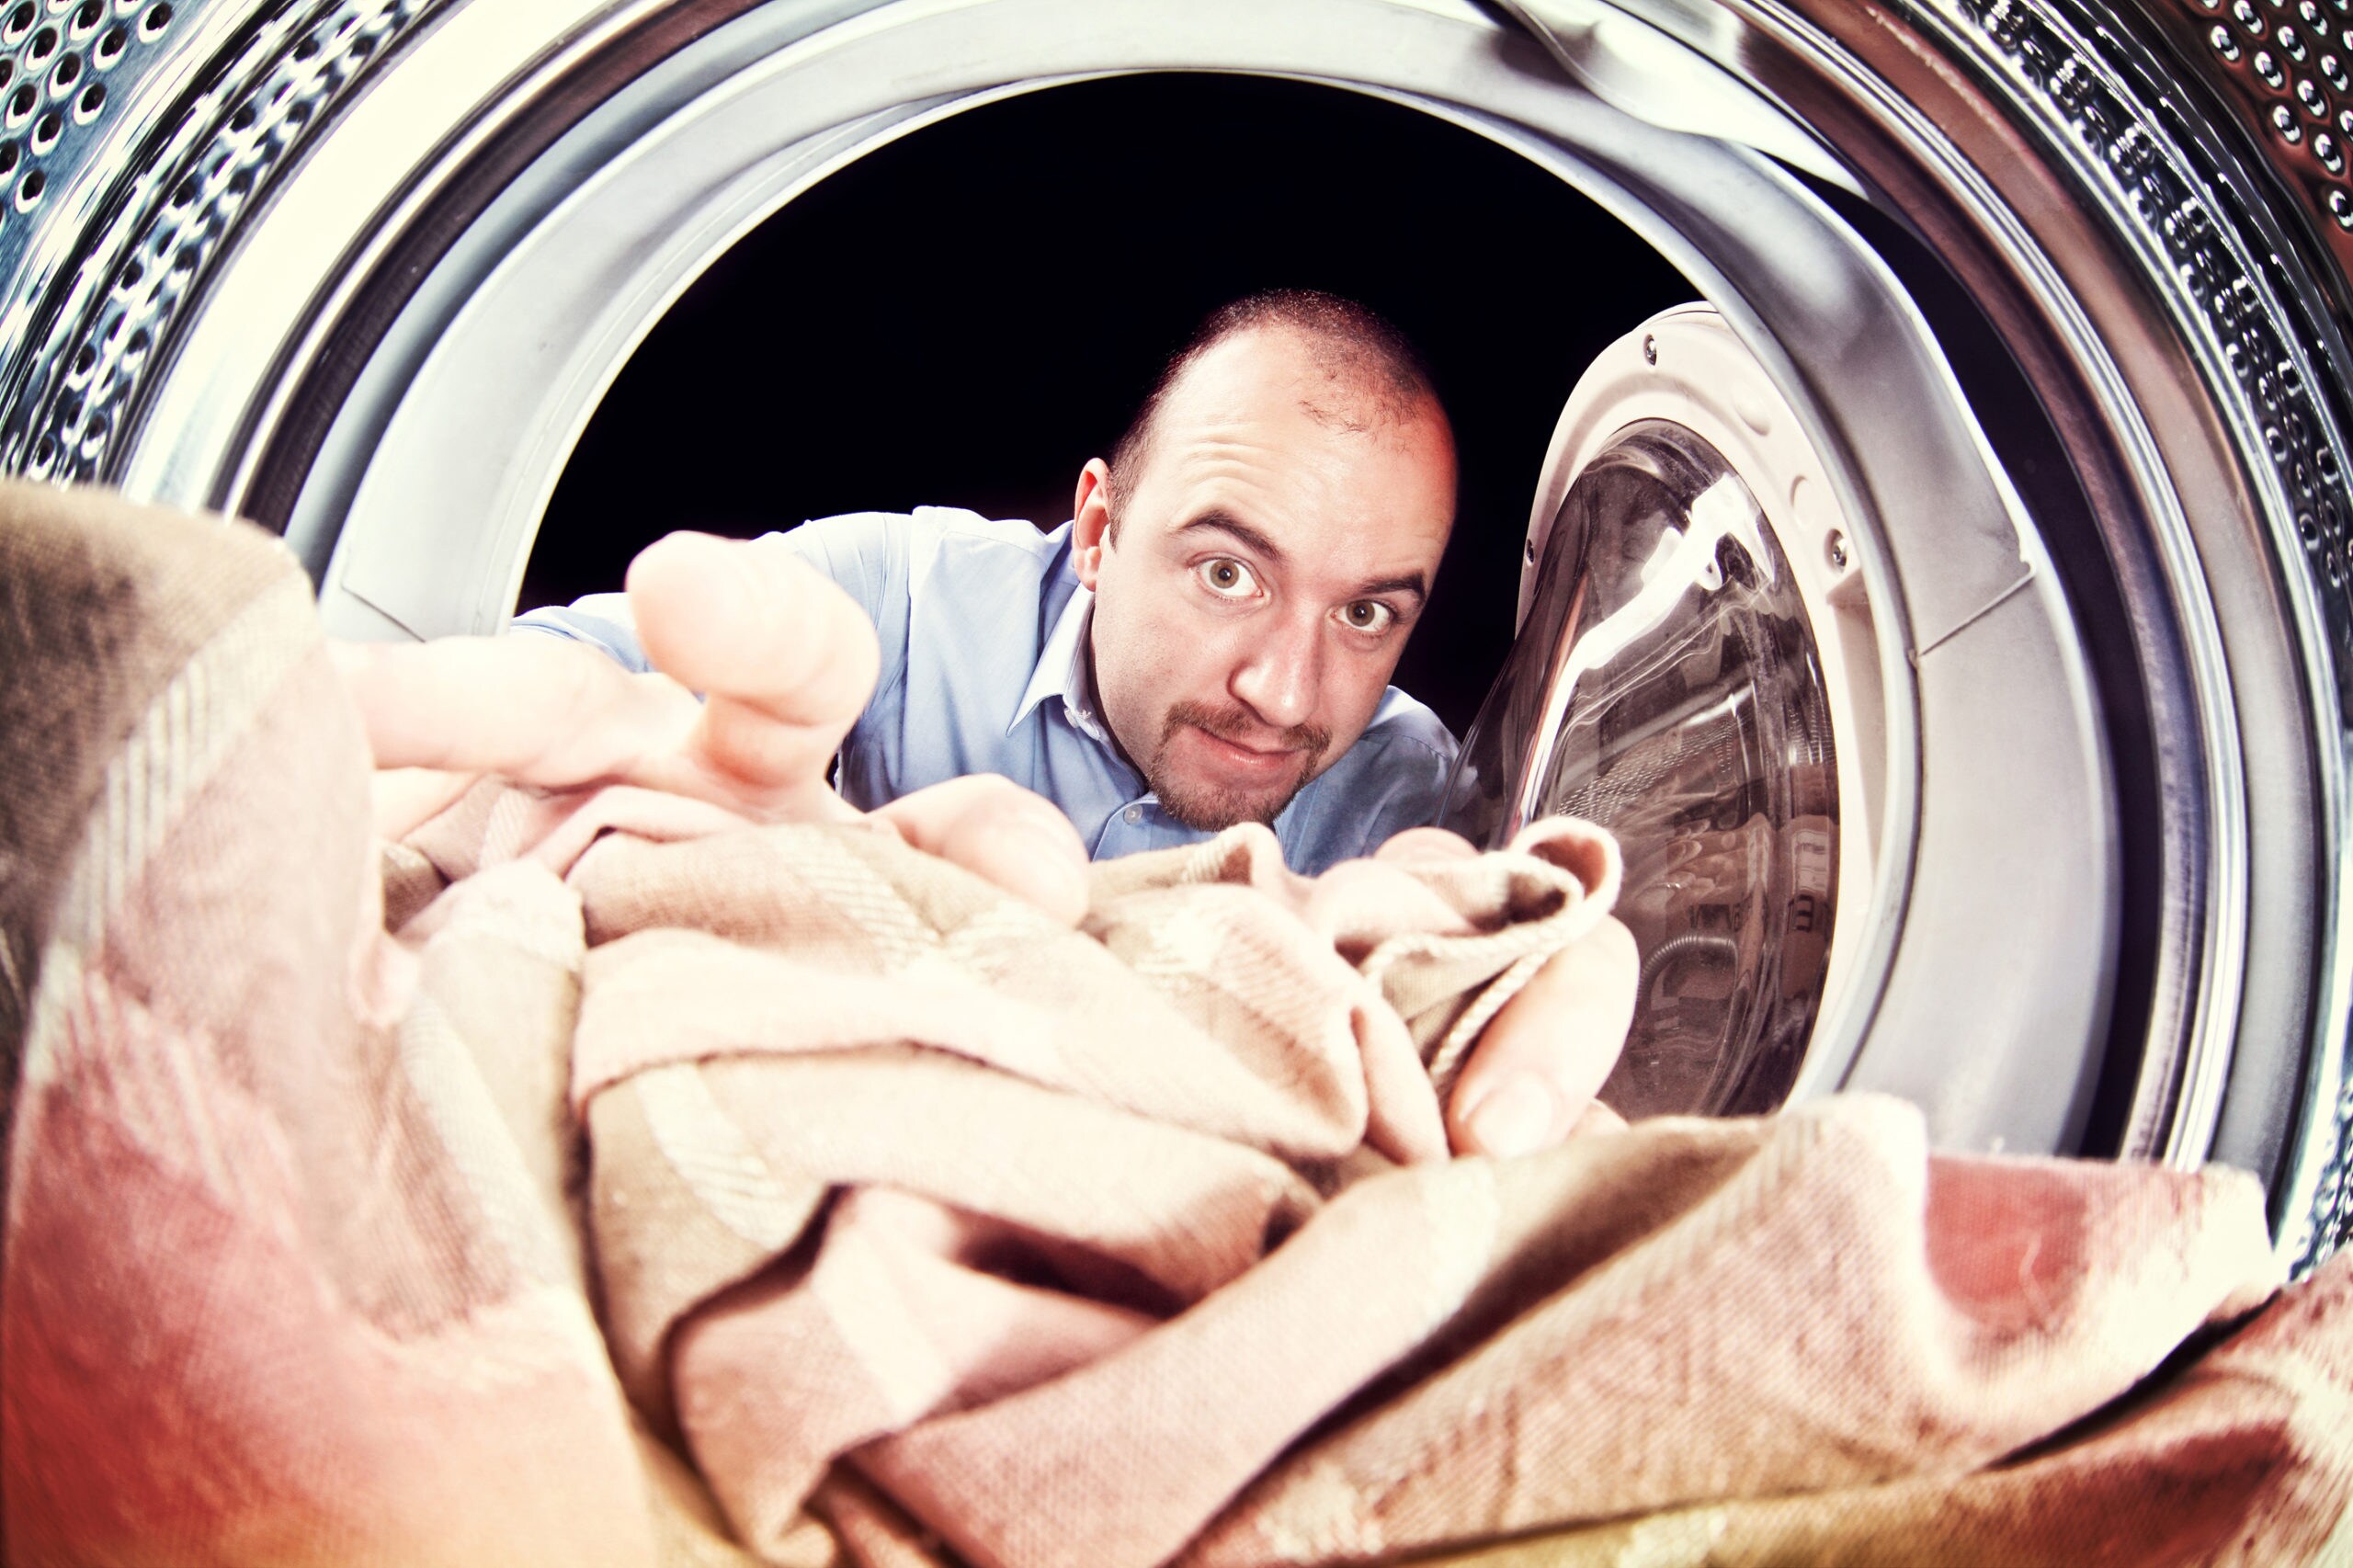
(1631, 65)
(2190, 312)
(366, 268)
(2184, 322)
(168, 149)
(1672, 692)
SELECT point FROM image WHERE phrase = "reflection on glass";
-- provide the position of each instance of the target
(1666, 685)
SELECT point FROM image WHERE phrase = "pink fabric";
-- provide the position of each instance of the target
(659, 1194)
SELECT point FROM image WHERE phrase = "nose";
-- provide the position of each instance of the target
(1278, 676)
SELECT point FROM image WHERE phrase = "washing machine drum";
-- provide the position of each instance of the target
(1953, 620)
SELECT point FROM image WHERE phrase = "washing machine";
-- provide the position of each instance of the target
(1947, 601)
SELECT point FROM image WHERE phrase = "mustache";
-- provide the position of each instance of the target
(1235, 723)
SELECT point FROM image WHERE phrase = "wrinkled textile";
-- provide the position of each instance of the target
(653, 1193)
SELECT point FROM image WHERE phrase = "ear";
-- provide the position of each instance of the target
(1090, 511)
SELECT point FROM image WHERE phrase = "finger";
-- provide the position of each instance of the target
(535, 709)
(997, 830)
(402, 800)
(1549, 1049)
(785, 658)
(1597, 1117)
(1426, 846)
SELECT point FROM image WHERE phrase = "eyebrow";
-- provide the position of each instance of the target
(1241, 531)
(1413, 583)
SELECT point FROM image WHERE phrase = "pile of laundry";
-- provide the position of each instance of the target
(787, 1195)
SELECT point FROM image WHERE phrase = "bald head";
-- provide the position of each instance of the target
(1347, 367)
(1283, 503)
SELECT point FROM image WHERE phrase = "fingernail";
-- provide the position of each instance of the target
(1516, 1117)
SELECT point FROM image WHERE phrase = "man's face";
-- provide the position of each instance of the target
(1270, 560)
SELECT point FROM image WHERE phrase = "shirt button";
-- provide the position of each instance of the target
(1133, 815)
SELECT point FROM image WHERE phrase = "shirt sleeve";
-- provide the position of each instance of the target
(865, 553)
(601, 620)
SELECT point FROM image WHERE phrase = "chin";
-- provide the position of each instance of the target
(1214, 808)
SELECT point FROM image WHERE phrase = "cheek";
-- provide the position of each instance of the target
(1354, 690)
(1146, 658)
(1164, 638)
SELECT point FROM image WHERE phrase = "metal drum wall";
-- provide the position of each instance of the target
(257, 258)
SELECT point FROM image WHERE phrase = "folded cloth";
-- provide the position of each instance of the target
(651, 1194)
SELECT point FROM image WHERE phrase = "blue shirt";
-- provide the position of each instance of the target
(986, 669)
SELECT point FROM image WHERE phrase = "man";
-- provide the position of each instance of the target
(1208, 640)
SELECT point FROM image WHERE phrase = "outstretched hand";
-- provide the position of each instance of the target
(786, 661)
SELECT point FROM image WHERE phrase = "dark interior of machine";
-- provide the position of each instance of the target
(966, 315)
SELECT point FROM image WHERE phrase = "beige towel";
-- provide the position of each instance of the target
(664, 1197)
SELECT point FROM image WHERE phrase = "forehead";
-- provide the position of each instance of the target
(1323, 455)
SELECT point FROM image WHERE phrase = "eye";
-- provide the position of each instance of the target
(1226, 577)
(1367, 614)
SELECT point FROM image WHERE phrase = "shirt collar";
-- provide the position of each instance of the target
(1065, 671)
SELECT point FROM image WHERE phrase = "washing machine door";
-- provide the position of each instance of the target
(1700, 669)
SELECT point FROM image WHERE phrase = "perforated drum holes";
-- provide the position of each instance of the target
(2279, 101)
(260, 100)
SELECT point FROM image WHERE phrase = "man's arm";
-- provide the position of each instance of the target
(864, 553)
(785, 661)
